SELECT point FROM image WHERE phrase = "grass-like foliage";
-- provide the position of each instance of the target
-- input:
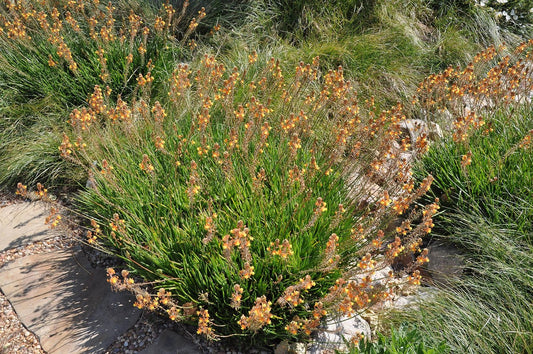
(485, 162)
(62, 50)
(487, 311)
(490, 171)
(236, 199)
(404, 340)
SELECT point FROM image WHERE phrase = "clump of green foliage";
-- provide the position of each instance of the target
(235, 199)
(404, 340)
(498, 179)
(487, 310)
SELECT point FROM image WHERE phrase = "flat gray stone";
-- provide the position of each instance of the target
(170, 342)
(24, 223)
(67, 303)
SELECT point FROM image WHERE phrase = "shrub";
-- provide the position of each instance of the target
(249, 200)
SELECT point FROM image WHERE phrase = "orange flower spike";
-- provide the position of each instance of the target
(293, 327)
(173, 313)
(259, 315)
(466, 159)
(386, 201)
(247, 272)
(145, 165)
(285, 250)
(395, 248)
(320, 206)
(236, 296)
(423, 257)
(366, 262)
(204, 324)
(306, 283)
(414, 279)
(22, 190)
(378, 241)
(318, 311)
(252, 57)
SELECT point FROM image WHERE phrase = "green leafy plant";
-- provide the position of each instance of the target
(52, 54)
(404, 340)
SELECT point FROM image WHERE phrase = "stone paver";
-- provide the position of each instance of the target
(65, 302)
(170, 342)
(23, 223)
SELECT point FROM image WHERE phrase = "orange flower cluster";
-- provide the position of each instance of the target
(22, 190)
(145, 165)
(121, 112)
(179, 82)
(204, 325)
(415, 278)
(210, 228)
(53, 218)
(117, 224)
(366, 262)
(161, 301)
(466, 159)
(490, 82)
(284, 250)
(240, 238)
(258, 317)
(291, 295)
(82, 119)
(236, 296)
(331, 258)
(526, 141)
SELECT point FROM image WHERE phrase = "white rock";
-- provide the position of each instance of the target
(337, 332)
(412, 301)
(297, 348)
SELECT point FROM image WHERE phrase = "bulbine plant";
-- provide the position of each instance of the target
(61, 49)
(254, 203)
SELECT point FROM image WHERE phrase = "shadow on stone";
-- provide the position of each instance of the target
(446, 263)
(23, 223)
(67, 303)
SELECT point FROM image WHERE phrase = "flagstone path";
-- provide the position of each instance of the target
(62, 301)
